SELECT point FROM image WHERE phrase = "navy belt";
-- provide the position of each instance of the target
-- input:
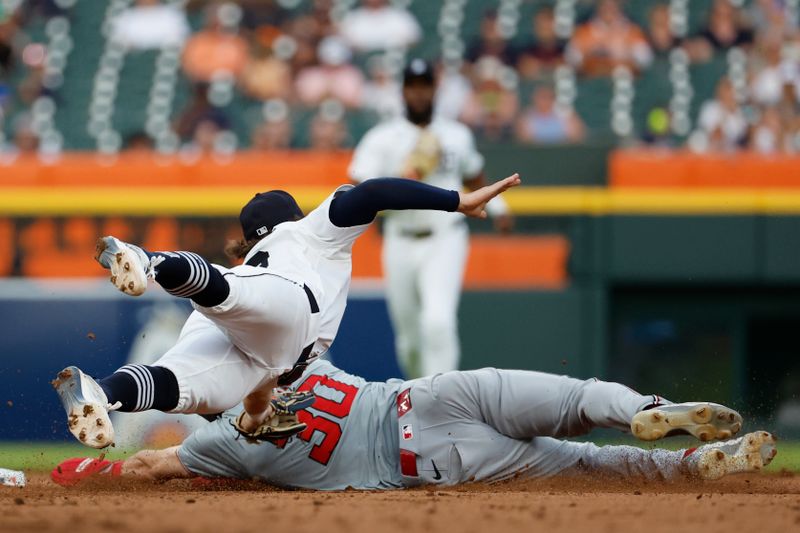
(416, 234)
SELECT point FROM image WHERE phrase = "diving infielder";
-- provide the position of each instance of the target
(256, 325)
(424, 253)
(483, 425)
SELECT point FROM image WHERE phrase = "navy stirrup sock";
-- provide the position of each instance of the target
(187, 275)
(142, 387)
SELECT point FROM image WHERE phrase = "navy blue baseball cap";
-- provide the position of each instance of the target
(265, 211)
(418, 70)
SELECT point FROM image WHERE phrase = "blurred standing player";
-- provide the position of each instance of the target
(425, 253)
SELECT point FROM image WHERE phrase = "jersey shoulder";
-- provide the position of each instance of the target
(388, 128)
(453, 128)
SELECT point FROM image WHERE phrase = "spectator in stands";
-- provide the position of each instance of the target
(378, 26)
(150, 24)
(725, 28)
(607, 41)
(260, 13)
(199, 110)
(139, 143)
(772, 73)
(8, 29)
(382, 93)
(26, 140)
(334, 77)
(204, 138)
(273, 134)
(453, 91)
(544, 123)
(303, 33)
(32, 85)
(545, 51)
(490, 42)
(659, 31)
(769, 135)
(722, 123)
(266, 76)
(492, 108)
(30, 9)
(774, 17)
(328, 129)
(217, 48)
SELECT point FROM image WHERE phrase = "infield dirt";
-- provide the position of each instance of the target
(741, 503)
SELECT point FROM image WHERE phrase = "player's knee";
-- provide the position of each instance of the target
(439, 327)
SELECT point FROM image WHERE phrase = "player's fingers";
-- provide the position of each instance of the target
(503, 185)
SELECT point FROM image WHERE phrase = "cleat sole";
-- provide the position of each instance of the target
(705, 421)
(87, 421)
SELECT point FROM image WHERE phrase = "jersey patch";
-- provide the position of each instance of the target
(403, 402)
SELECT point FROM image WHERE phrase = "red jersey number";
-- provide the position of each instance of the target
(331, 430)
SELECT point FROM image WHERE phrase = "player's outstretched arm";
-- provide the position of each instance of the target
(361, 204)
(473, 203)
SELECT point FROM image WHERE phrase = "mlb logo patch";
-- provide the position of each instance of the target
(408, 433)
(403, 402)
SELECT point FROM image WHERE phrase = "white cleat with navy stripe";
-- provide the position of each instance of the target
(87, 407)
(130, 267)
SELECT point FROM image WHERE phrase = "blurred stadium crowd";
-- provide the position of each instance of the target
(197, 77)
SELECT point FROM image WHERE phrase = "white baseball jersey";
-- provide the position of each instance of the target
(315, 252)
(383, 152)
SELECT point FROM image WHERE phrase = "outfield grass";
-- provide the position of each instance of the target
(43, 457)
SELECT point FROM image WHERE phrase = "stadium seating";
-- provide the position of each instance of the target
(109, 95)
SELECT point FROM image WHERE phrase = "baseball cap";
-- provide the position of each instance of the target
(265, 211)
(418, 69)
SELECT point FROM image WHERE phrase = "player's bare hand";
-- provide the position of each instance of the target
(473, 204)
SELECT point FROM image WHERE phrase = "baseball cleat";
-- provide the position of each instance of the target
(129, 265)
(706, 421)
(73, 471)
(749, 453)
(87, 407)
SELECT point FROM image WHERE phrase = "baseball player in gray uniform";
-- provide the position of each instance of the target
(424, 253)
(256, 325)
(482, 425)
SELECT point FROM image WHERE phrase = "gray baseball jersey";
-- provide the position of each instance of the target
(482, 425)
(351, 439)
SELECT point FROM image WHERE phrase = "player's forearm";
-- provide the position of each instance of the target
(361, 204)
(155, 465)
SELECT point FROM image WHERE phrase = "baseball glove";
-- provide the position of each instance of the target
(424, 157)
(284, 422)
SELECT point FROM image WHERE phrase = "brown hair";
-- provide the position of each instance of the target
(238, 249)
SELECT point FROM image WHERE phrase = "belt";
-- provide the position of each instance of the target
(416, 234)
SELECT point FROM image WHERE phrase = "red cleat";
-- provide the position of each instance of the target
(72, 471)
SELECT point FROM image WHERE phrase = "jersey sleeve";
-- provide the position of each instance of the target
(368, 157)
(472, 162)
(211, 451)
(318, 223)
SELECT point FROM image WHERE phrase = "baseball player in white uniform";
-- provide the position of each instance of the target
(424, 253)
(256, 325)
(482, 425)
